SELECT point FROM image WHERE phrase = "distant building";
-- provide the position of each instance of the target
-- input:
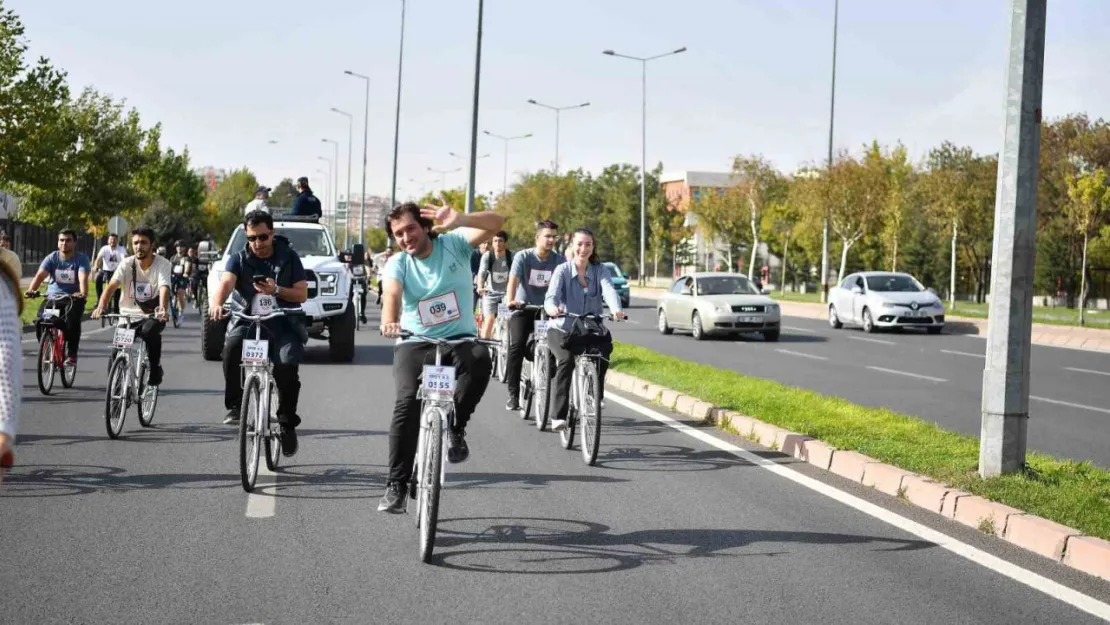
(9, 206)
(683, 189)
(212, 176)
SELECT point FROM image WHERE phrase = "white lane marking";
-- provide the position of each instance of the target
(1069, 404)
(879, 341)
(1087, 371)
(908, 374)
(797, 329)
(958, 353)
(998, 565)
(801, 354)
(261, 505)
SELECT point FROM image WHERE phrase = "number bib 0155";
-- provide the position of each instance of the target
(262, 305)
(439, 380)
(256, 351)
(439, 310)
(125, 337)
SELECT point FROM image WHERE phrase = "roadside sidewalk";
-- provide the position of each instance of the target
(1043, 334)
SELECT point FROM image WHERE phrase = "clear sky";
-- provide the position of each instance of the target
(226, 77)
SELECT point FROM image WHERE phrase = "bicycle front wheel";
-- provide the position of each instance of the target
(250, 423)
(273, 439)
(503, 357)
(46, 362)
(115, 400)
(148, 399)
(431, 476)
(589, 413)
(543, 388)
(527, 392)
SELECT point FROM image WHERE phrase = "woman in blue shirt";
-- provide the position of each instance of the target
(580, 286)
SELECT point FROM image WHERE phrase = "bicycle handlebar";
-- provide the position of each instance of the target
(526, 307)
(590, 316)
(129, 316)
(405, 334)
(280, 312)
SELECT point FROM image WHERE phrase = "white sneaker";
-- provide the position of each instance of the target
(558, 425)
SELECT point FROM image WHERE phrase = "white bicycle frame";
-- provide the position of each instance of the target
(435, 405)
(264, 371)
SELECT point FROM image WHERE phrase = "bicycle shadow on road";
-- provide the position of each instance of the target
(66, 480)
(544, 546)
(522, 481)
(157, 433)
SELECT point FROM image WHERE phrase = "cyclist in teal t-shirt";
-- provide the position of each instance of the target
(427, 290)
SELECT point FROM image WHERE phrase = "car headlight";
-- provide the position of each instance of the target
(772, 308)
(723, 308)
(886, 304)
(328, 283)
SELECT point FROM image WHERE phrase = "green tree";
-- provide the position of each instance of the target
(282, 196)
(223, 207)
(1088, 207)
(760, 186)
(898, 199)
(856, 193)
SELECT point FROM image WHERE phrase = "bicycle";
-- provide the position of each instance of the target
(200, 291)
(357, 289)
(52, 340)
(113, 305)
(174, 311)
(127, 377)
(501, 335)
(535, 376)
(585, 398)
(437, 413)
(256, 427)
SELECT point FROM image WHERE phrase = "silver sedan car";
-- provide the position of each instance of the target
(717, 303)
(880, 299)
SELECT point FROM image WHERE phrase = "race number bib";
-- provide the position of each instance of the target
(539, 278)
(202, 267)
(178, 270)
(436, 311)
(143, 291)
(541, 326)
(50, 313)
(125, 337)
(439, 380)
(65, 276)
(358, 271)
(256, 351)
(502, 309)
(500, 276)
(263, 305)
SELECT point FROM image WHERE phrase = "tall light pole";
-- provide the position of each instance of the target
(505, 175)
(643, 147)
(558, 109)
(328, 190)
(397, 117)
(327, 180)
(335, 187)
(464, 158)
(350, 143)
(474, 113)
(832, 111)
(443, 175)
(365, 129)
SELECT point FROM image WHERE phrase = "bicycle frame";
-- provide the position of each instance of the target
(136, 364)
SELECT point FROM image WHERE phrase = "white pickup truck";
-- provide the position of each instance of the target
(329, 314)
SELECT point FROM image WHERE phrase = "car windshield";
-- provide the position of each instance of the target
(304, 241)
(613, 271)
(726, 285)
(893, 284)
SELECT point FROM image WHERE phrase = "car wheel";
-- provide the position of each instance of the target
(771, 336)
(934, 329)
(696, 329)
(834, 319)
(341, 336)
(664, 328)
(868, 322)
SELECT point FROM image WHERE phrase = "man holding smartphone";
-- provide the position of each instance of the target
(265, 272)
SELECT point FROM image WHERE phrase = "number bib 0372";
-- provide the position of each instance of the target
(125, 337)
(256, 351)
(439, 380)
(436, 311)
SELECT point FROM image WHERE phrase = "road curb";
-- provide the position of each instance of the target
(1065, 545)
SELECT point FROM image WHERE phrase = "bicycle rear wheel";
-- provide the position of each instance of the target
(503, 356)
(543, 388)
(176, 316)
(430, 484)
(115, 398)
(69, 371)
(589, 414)
(273, 440)
(148, 399)
(250, 413)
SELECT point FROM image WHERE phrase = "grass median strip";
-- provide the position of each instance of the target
(1076, 494)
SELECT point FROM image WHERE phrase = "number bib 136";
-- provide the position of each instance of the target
(439, 380)
(125, 337)
(262, 305)
(256, 351)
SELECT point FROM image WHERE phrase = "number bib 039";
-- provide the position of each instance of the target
(256, 351)
(439, 380)
(436, 311)
(125, 337)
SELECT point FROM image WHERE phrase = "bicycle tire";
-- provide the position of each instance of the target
(431, 486)
(248, 441)
(147, 395)
(566, 436)
(526, 391)
(46, 362)
(591, 415)
(176, 316)
(503, 357)
(542, 403)
(69, 374)
(116, 388)
(273, 443)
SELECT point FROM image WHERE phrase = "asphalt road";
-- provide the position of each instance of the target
(938, 378)
(668, 528)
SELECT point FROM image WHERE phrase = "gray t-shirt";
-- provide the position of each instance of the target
(534, 274)
(495, 271)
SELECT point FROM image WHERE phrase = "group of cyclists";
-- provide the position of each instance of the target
(427, 293)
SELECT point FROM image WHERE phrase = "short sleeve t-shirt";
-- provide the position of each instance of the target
(139, 288)
(437, 298)
(110, 257)
(535, 274)
(496, 271)
(64, 273)
(283, 266)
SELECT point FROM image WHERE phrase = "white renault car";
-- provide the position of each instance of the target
(329, 313)
(877, 300)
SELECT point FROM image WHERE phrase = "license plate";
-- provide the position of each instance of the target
(256, 351)
(541, 326)
(915, 313)
(125, 337)
(439, 379)
(751, 319)
(50, 313)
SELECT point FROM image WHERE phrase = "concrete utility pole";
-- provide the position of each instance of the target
(1005, 420)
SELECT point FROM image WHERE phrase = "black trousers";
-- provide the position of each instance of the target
(521, 325)
(102, 278)
(72, 319)
(286, 352)
(564, 372)
(472, 370)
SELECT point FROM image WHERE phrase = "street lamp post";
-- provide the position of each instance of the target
(397, 117)
(464, 158)
(350, 142)
(335, 186)
(643, 147)
(443, 175)
(474, 113)
(558, 109)
(505, 175)
(328, 190)
(832, 110)
(365, 129)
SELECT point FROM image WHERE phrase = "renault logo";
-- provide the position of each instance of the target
(913, 305)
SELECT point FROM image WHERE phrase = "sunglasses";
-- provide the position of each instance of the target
(262, 238)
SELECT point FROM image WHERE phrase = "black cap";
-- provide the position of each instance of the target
(303, 181)
(262, 189)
